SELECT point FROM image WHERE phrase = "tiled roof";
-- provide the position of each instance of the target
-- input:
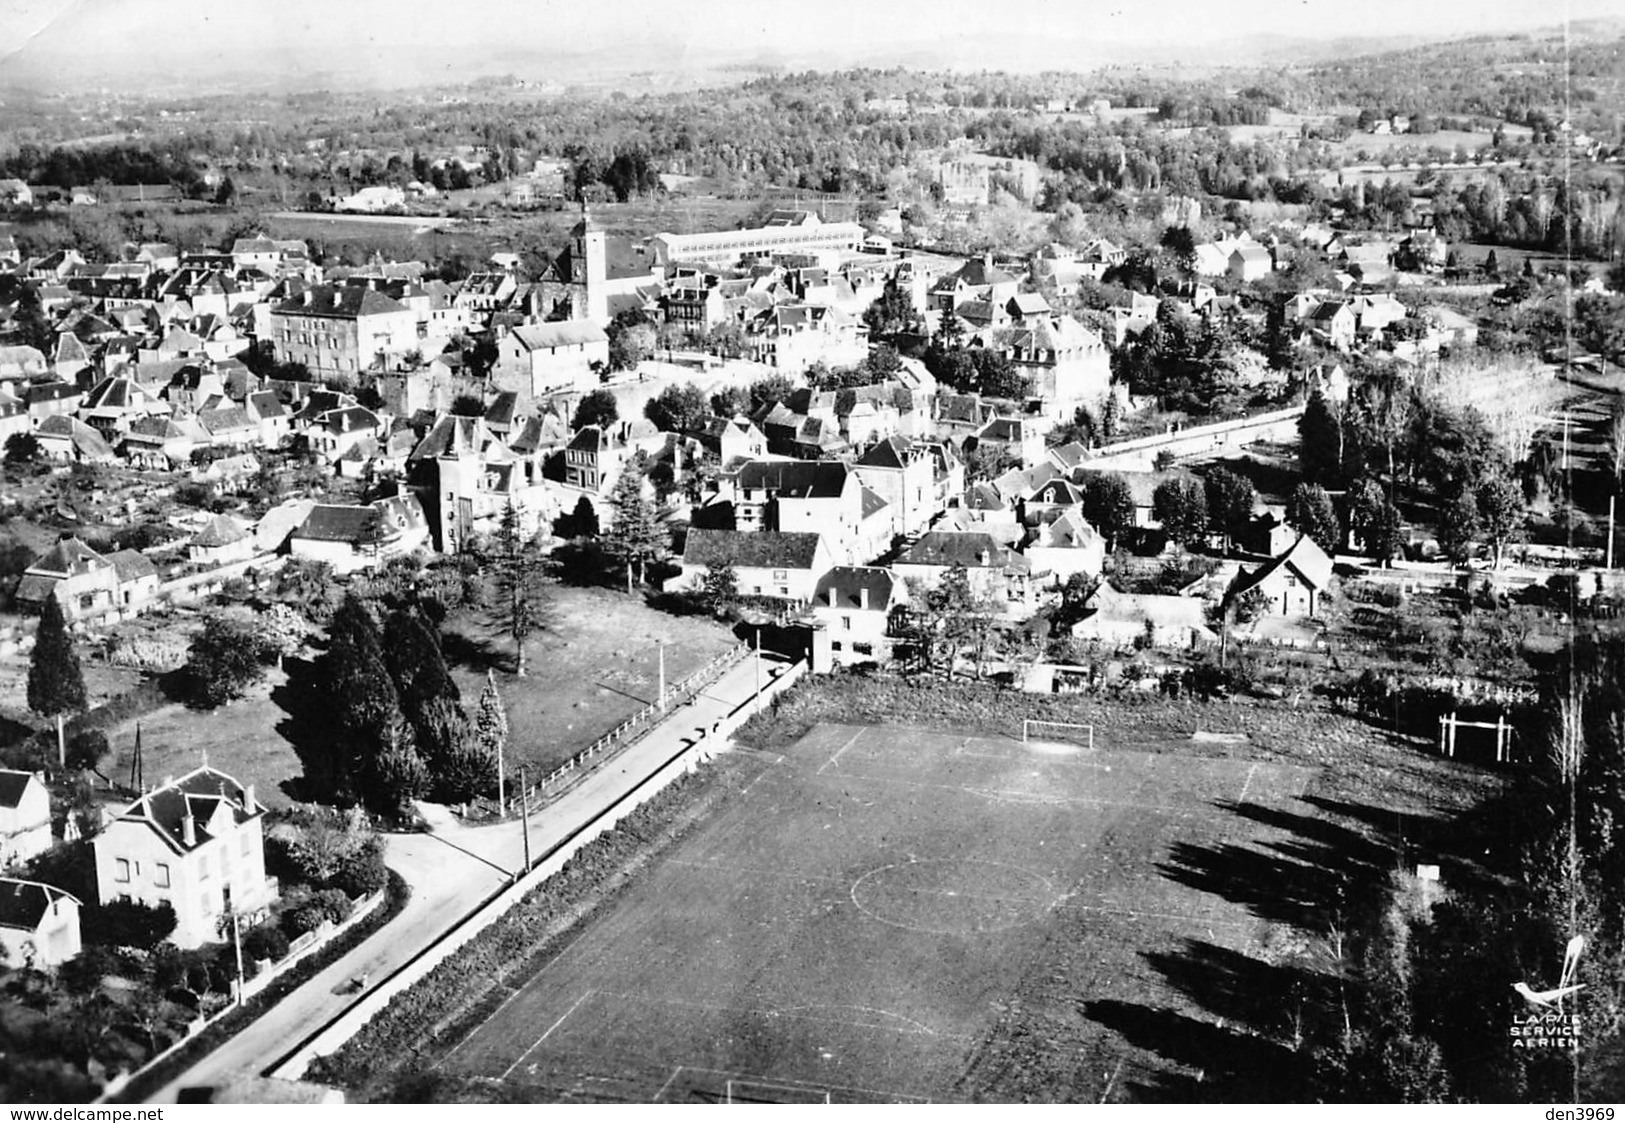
(197, 795)
(131, 565)
(848, 583)
(334, 523)
(758, 549)
(68, 557)
(222, 530)
(344, 302)
(796, 479)
(938, 548)
(564, 333)
(25, 904)
(13, 784)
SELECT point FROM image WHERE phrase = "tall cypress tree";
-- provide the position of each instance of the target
(55, 683)
(366, 711)
(636, 538)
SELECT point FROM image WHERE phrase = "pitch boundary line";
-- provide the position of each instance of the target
(850, 742)
(1021, 797)
(1242, 798)
(547, 1033)
(660, 1095)
(517, 991)
(912, 1027)
(1195, 921)
(791, 1082)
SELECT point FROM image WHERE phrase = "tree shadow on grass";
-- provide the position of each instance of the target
(1231, 1065)
(308, 727)
(1263, 1010)
(1300, 880)
(477, 654)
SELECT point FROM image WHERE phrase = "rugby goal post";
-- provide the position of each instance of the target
(761, 1092)
(1057, 732)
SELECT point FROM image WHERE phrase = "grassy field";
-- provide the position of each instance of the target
(594, 664)
(246, 739)
(871, 905)
(894, 912)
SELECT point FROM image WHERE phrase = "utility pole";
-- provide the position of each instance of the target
(758, 668)
(61, 744)
(660, 646)
(237, 939)
(524, 816)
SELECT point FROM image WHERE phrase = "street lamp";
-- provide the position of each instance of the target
(758, 668)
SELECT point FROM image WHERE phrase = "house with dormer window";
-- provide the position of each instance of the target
(195, 844)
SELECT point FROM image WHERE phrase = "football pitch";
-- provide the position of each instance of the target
(855, 926)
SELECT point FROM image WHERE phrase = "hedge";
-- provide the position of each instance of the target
(198, 1047)
(461, 992)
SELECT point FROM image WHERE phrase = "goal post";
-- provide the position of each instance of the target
(762, 1092)
(1056, 732)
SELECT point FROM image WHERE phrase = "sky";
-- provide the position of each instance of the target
(735, 27)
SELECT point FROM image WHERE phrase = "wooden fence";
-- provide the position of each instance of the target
(633, 727)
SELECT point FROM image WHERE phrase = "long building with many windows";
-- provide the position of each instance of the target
(785, 232)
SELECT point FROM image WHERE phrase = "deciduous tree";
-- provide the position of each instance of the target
(1230, 501)
(1180, 505)
(225, 660)
(1310, 511)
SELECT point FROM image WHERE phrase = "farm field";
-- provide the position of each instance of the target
(892, 914)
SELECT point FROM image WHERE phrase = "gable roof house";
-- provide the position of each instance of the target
(52, 399)
(823, 496)
(1064, 547)
(766, 563)
(70, 440)
(902, 473)
(853, 606)
(196, 844)
(352, 537)
(1120, 619)
(158, 442)
(83, 581)
(25, 816)
(538, 359)
(1021, 437)
(39, 924)
(995, 570)
(1293, 583)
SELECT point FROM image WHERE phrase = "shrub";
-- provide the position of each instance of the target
(127, 924)
(87, 749)
(265, 941)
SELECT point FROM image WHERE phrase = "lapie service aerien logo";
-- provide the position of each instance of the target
(1545, 1024)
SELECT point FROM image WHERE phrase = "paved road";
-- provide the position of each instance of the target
(451, 873)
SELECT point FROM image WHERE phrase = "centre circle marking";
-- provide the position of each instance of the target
(957, 897)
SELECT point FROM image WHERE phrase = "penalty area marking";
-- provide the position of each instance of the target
(793, 1084)
(546, 1034)
(850, 742)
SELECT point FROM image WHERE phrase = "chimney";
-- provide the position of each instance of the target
(863, 597)
(834, 596)
(985, 558)
(248, 798)
(188, 830)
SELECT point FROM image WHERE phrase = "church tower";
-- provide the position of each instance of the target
(589, 270)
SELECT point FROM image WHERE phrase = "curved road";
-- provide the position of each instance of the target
(452, 872)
